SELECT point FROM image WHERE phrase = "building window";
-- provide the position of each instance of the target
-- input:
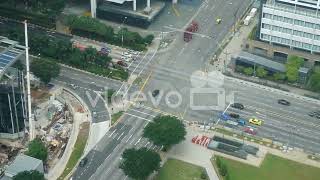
(309, 25)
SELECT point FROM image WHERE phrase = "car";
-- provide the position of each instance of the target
(83, 162)
(241, 122)
(224, 116)
(314, 114)
(126, 54)
(155, 92)
(238, 106)
(284, 102)
(250, 130)
(234, 115)
(255, 121)
(123, 58)
(218, 20)
(121, 63)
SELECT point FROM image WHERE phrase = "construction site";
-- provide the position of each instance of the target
(52, 120)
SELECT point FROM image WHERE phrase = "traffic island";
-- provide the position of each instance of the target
(77, 150)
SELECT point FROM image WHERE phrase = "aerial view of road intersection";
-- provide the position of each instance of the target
(163, 90)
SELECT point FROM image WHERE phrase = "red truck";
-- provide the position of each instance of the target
(193, 27)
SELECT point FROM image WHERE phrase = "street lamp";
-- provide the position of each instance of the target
(122, 30)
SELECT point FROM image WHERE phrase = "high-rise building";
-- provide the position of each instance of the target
(12, 100)
(292, 23)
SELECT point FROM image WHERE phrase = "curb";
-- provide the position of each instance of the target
(83, 71)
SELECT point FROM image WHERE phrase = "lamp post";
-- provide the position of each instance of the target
(122, 30)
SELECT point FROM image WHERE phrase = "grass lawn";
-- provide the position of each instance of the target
(272, 168)
(77, 150)
(178, 170)
(115, 117)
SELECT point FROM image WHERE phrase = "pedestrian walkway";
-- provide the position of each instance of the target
(194, 154)
(295, 155)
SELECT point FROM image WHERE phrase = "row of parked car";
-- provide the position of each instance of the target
(127, 57)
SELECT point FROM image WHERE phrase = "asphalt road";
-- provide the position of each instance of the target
(288, 124)
(183, 57)
(170, 71)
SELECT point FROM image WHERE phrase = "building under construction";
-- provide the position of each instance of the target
(12, 98)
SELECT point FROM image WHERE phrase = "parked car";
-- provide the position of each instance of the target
(224, 116)
(255, 121)
(121, 63)
(234, 115)
(155, 92)
(83, 162)
(284, 102)
(250, 130)
(238, 106)
(241, 122)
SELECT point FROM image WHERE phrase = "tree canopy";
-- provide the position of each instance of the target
(292, 68)
(261, 72)
(165, 131)
(37, 149)
(29, 175)
(314, 82)
(44, 69)
(248, 71)
(139, 163)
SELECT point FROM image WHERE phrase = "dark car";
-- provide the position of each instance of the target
(314, 114)
(155, 93)
(284, 102)
(234, 115)
(83, 162)
(121, 63)
(238, 106)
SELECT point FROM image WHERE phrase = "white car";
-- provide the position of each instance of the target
(126, 54)
(127, 59)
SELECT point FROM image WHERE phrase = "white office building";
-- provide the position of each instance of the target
(293, 23)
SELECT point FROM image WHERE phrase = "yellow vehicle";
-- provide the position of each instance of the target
(218, 20)
(255, 121)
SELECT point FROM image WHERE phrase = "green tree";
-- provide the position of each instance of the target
(139, 163)
(165, 131)
(261, 72)
(279, 76)
(29, 175)
(37, 149)
(248, 71)
(314, 82)
(292, 67)
(149, 38)
(44, 69)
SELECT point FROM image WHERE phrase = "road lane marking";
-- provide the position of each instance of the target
(146, 144)
(112, 133)
(120, 136)
(143, 112)
(129, 138)
(137, 142)
(138, 117)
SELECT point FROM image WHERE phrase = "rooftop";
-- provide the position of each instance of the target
(10, 54)
(23, 163)
(261, 61)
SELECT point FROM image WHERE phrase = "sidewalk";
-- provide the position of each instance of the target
(295, 155)
(234, 47)
(78, 118)
(194, 154)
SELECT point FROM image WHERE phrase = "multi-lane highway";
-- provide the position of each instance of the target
(182, 58)
(170, 71)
